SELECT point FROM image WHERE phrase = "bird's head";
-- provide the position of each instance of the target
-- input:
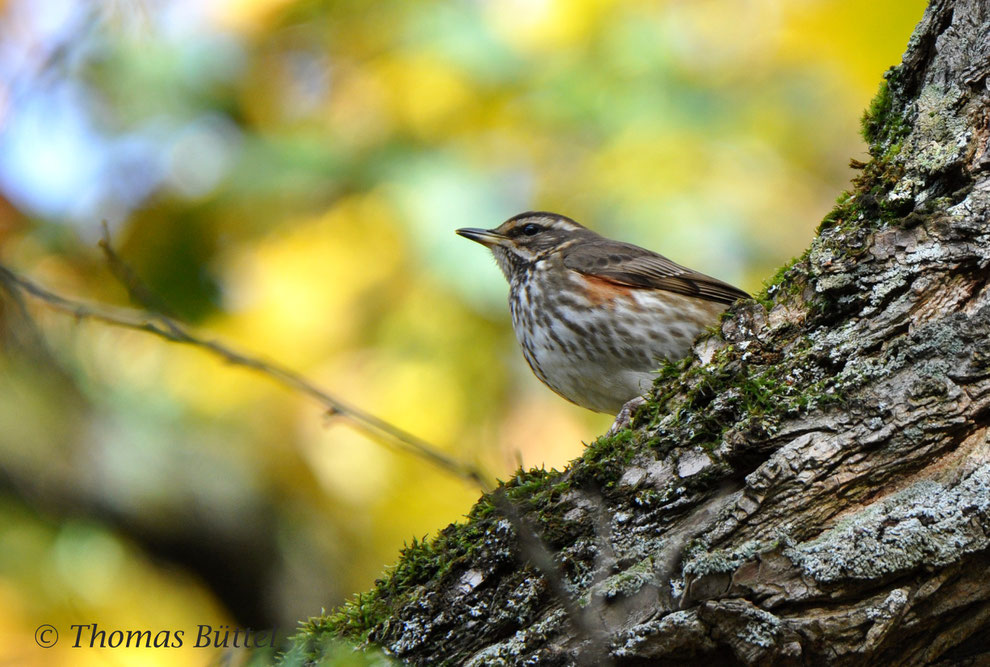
(526, 238)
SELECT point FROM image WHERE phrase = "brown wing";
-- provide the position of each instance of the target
(626, 264)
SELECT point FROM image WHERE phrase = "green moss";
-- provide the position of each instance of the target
(604, 460)
(353, 619)
(320, 648)
(868, 205)
(883, 124)
(536, 486)
(875, 117)
(534, 492)
(701, 404)
(846, 210)
(419, 562)
(788, 280)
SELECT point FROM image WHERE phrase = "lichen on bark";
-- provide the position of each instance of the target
(810, 487)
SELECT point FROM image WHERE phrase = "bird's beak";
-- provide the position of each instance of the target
(485, 237)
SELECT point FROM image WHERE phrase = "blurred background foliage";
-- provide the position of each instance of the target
(286, 175)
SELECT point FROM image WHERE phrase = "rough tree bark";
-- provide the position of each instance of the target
(813, 487)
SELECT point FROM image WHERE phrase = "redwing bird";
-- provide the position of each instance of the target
(595, 317)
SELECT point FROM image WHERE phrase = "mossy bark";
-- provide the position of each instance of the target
(812, 487)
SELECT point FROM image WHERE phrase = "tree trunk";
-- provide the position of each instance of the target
(812, 487)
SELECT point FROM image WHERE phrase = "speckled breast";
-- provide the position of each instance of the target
(595, 342)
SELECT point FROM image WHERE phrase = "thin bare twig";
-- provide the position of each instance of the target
(171, 330)
(140, 294)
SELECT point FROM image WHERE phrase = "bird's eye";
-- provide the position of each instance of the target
(531, 229)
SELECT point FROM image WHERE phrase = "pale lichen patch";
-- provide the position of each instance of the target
(926, 524)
